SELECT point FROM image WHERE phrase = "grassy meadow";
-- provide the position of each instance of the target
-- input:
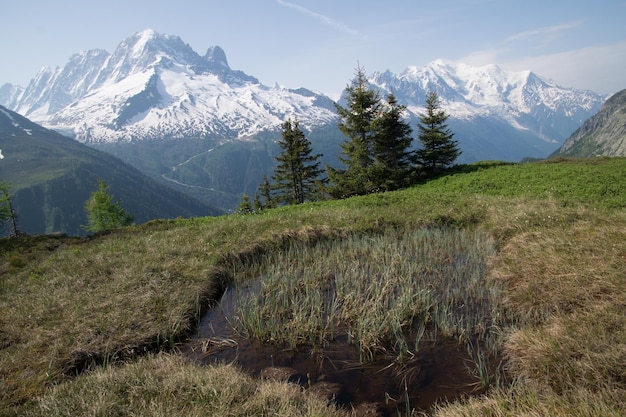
(89, 326)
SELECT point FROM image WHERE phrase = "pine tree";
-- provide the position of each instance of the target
(438, 149)
(258, 206)
(392, 155)
(7, 214)
(358, 123)
(103, 213)
(245, 207)
(297, 174)
(266, 193)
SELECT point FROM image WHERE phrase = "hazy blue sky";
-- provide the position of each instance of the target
(317, 43)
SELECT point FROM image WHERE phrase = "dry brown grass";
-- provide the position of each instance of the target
(528, 400)
(567, 284)
(169, 385)
(573, 281)
(80, 304)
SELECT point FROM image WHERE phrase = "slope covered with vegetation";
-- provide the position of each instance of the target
(90, 326)
(52, 176)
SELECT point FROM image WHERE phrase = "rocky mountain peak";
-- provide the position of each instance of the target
(216, 55)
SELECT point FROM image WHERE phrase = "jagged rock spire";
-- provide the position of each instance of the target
(216, 55)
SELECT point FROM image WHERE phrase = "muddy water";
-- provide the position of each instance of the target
(437, 372)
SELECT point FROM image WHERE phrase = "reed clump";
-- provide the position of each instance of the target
(378, 291)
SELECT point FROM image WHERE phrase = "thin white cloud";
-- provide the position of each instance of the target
(482, 57)
(340, 26)
(545, 34)
(598, 68)
(510, 45)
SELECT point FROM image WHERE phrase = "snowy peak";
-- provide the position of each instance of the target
(522, 99)
(85, 72)
(603, 134)
(484, 85)
(155, 86)
(10, 94)
(148, 49)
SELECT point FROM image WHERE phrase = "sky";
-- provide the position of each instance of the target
(318, 44)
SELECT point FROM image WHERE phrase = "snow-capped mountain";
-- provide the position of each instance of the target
(155, 86)
(522, 100)
(176, 115)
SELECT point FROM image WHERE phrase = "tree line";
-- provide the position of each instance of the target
(376, 156)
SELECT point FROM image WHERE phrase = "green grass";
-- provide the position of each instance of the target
(598, 182)
(559, 233)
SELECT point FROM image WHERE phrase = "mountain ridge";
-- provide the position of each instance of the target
(603, 134)
(89, 97)
(51, 177)
(155, 86)
(517, 98)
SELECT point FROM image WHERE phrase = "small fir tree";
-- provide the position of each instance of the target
(266, 193)
(103, 213)
(358, 123)
(297, 175)
(7, 214)
(245, 207)
(438, 149)
(392, 155)
(258, 206)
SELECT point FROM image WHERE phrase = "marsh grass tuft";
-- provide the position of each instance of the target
(374, 289)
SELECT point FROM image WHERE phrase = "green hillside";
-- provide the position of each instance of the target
(52, 176)
(94, 327)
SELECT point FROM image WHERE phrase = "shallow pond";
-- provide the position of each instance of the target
(438, 371)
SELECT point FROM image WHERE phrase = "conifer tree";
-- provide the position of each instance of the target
(245, 207)
(392, 155)
(297, 174)
(358, 123)
(7, 214)
(266, 193)
(103, 213)
(438, 149)
(258, 206)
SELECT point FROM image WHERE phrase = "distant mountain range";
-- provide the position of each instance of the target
(210, 131)
(495, 114)
(51, 177)
(604, 134)
(155, 87)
